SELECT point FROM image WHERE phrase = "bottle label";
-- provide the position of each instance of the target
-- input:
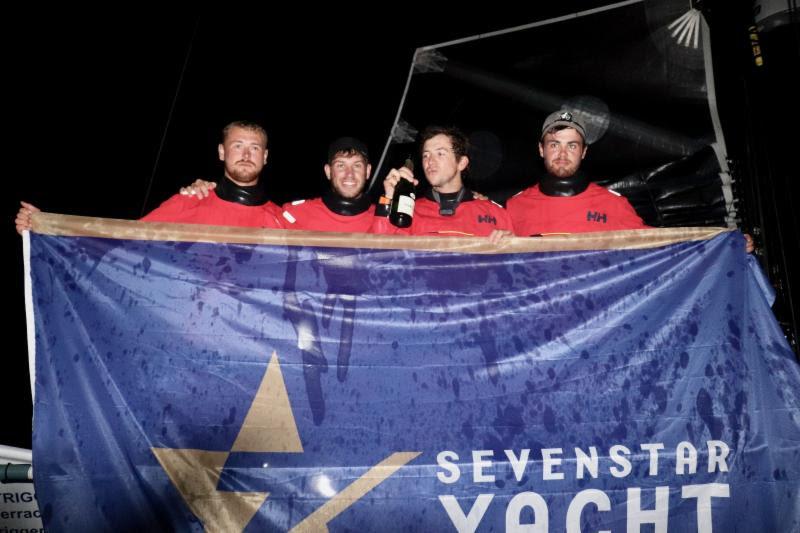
(405, 204)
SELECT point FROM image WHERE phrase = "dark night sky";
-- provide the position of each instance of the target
(87, 104)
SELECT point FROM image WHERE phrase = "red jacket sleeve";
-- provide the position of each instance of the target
(171, 210)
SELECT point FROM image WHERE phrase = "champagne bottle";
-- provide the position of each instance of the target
(401, 212)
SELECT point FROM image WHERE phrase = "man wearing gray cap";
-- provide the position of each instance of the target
(565, 201)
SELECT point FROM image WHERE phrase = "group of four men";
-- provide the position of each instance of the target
(563, 202)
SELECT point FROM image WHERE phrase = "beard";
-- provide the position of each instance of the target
(244, 174)
(561, 171)
(349, 193)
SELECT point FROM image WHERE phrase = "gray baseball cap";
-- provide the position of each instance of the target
(564, 118)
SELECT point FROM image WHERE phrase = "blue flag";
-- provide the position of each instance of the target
(271, 387)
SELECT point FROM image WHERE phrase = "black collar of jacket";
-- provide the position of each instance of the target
(231, 192)
(571, 186)
(449, 201)
(347, 207)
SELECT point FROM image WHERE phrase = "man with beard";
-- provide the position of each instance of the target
(448, 208)
(238, 200)
(564, 201)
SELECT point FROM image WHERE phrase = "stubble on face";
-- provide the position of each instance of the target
(562, 152)
(244, 153)
(348, 175)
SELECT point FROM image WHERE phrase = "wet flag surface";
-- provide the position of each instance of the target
(266, 387)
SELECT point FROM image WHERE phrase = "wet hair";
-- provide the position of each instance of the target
(347, 147)
(457, 139)
(349, 153)
(245, 125)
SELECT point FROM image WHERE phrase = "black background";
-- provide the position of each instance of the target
(101, 107)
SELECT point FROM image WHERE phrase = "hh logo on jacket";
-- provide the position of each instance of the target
(595, 216)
